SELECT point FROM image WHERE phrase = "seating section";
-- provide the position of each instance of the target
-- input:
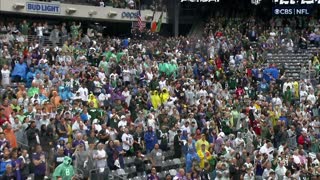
(170, 166)
(293, 60)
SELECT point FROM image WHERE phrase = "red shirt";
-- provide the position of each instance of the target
(301, 140)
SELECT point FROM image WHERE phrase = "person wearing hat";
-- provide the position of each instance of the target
(123, 121)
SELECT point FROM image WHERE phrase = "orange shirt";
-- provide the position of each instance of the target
(7, 110)
(11, 137)
(56, 100)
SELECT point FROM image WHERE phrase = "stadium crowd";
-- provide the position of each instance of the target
(214, 102)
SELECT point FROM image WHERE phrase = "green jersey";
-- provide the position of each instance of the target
(64, 170)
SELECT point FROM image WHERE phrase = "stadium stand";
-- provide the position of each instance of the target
(238, 98)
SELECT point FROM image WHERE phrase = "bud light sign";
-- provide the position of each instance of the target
(43, 7)
(292, 10)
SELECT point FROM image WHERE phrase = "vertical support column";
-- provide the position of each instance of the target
(176, 14)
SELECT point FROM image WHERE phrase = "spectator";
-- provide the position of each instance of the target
(153, 175)
(25, 164)
(150, 139)
(139, 163)
(156, 157)
(39, 162)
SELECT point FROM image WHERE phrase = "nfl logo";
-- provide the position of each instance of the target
(255, 2)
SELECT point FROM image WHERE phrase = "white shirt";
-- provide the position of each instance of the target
(303, 95)
(5, 77)
(151, 122)
(126, 138)
(83, 93)
(312, 98)
(127, 95)
(281, 171)
(102, 162)
(40, 31)
(101, 75)
(277, 101)
(162, 84)
(126, 75)
(122, 123)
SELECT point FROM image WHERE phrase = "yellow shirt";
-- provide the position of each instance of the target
(200, 142)
(204, 157)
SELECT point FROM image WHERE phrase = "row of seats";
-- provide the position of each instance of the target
(292, 60)
(128, 161)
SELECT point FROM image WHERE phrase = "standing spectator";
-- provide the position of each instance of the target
(111, 153)
(177, 143)
(204, 155)
(64, 33)
(127, 142)
(5, 74)
(192, 158)
(24, 28)
(118, 156)
(16, 164)
(5, 160)
(235, 170)
(151, 139)
(4, 143)
(139, 163)
(10, 136)
(156, 157)
(32, 136)
(100, 158)
(39, 162)
(81, 159)
(75, 30)
(39, 31)
(25, 164)
(19, 71)
(54, 36)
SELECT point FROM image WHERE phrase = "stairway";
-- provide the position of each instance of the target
(197, 29)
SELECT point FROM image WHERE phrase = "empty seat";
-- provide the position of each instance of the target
(148, 167)
(173, 172)
(177, 162)
(128, 160)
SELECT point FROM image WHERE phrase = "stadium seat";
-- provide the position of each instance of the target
(133, 169)
(176, 163)
(173, 172)
(148, 167)
(128, 161)
(168, 164)
(144, 177)
(121, 173)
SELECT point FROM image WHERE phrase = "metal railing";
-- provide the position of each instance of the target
(23, 145)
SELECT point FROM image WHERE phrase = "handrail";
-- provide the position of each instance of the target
(23, 145)
(108, 174)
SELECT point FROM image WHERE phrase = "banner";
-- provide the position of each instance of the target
(43, 7)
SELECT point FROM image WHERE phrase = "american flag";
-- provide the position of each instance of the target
(140, 25)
